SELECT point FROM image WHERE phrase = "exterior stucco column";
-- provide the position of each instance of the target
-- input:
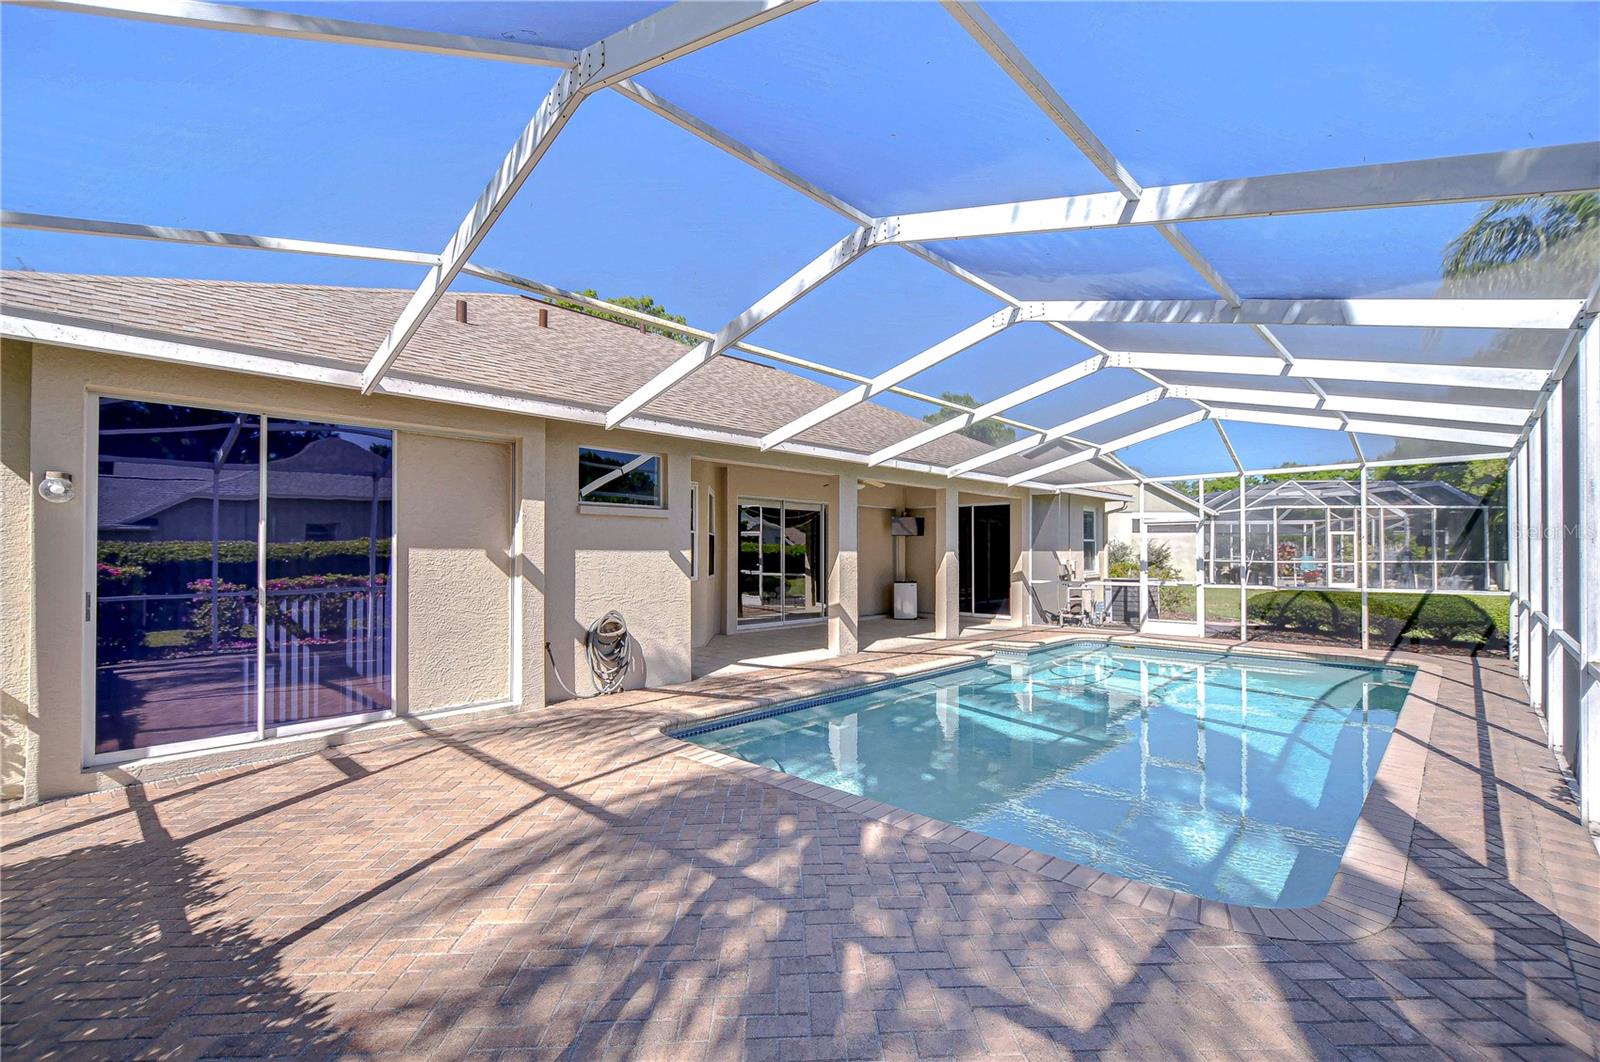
(1019, 561)
(947, 567)
(844, 610)
(19, 720)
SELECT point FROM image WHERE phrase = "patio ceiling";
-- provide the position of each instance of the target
(1208, 349)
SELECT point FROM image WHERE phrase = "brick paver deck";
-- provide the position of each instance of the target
(550, 886)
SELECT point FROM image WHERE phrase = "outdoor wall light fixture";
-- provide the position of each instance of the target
(57, 487)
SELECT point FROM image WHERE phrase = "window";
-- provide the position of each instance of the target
(1091, 543)
(614, 477)
(711, 533)
(694, 530)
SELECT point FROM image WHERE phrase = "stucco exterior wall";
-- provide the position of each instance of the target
(875, 562)
(453, 544)
(18, 716)
(627, 558)
(705, 594)
(1056, 536)
(508, 487)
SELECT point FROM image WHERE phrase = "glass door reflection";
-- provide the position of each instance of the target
(177, 501)
(329, 529)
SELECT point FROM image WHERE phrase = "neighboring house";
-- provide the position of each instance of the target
(441, 545)
(1171, 519)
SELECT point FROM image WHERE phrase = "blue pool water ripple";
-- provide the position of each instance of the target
(1228, 776)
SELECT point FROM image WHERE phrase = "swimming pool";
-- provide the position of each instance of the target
(1230, 776)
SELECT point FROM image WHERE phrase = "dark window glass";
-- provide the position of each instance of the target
(329, 532)
(177, 513)
(612, 477)
(711, 533)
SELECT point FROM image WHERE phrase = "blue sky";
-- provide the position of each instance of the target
(890, 106)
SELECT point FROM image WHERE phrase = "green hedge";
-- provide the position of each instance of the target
(150, 554)
(1393, 619)
(167, 567)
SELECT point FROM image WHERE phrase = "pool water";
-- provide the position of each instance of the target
(1229, 776)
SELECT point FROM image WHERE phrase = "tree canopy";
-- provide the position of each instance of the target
(992, 432)
(642, 303)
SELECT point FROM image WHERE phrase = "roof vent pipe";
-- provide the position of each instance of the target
(544, 317)
(461, 310)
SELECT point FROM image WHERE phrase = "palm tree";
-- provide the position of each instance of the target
(1522, 230)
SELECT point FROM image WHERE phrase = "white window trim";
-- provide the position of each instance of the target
(711, 533)
(694, 531)
(1091, 558)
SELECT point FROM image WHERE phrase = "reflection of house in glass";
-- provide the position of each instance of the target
(330, 489)
(1420, 535)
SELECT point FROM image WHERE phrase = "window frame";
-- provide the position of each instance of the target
(636, 458)
(711, 533)
(1091, 534)
(694, 531)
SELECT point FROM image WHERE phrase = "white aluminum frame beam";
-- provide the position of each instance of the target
(1429, 374)
(196, 15)
(1132, 438)
(1397, 408)
(14, 219)
(1366, 313)
(993, 407)
(943, 350)
(1567, 168)
(1060, 431)
(780, 298)
(656, 39)
(1398, 429)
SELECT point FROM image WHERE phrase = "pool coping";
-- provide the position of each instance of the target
(1367, 888)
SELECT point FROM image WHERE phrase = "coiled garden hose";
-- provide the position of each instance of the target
(610, 658)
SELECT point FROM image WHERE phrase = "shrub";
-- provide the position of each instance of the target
(1393, 619)
(1122, 561)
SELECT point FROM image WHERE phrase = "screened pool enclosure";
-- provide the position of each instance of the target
(1150, 247)
(1415, 535)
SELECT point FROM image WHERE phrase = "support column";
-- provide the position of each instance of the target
(947, 567)
(1517, 489)
(1144, 558)
(1202, 560)
(1361, 562)
(1534, 590)
(1555, 657)
(1244, 563)
(1586, 764)
(844, 607)
(1021, 566)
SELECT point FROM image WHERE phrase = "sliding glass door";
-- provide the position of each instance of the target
(782, 560)
(219, 618)
(984, 553)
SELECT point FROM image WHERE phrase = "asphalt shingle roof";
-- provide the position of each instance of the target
(579, 359)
